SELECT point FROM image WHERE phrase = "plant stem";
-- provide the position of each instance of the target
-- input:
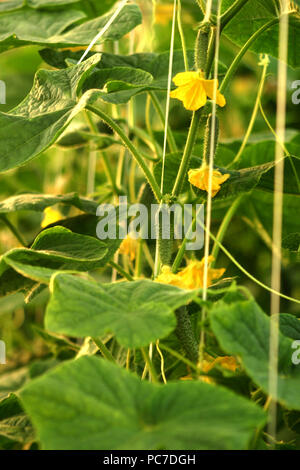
(223, 228)
(13, 229)
(231, 12)
(157, 150)
(211, 51)
(181, 32)
(178, 356)
(278, 140)
(201, 6)
(121, 271)
(109, 174)
(232, 69)
(254, 113)
(132, 149)
(150, 365)
(192, 135)
(104, 350)
(139, 258)
(170, 136)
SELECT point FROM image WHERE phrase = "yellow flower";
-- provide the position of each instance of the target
(190, 277)
(128, 247)
(167, 277)
(163, 13)
(50, 217)
(193, 90)
(227, 362)
(200, 178)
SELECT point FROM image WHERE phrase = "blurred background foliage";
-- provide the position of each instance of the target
(61, 171)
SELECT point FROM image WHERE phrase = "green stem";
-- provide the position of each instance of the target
(170, 136)
(13, 229)
(121, 271)
(181, 32)
(223, 228)
(201, 6)
(132, 149)
(155, 146)
(278, 140)
(139, 258)
(254, 113)
(109, 174)
(150, 365)
(178, 356)
(104, 350)
(232, 69)
(211, 51)
(231, 12)
(187, 153)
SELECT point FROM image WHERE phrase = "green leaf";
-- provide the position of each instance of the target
(289, 326)
(28, 26)
(263, 203)
(42, 117)
(13, 381)
(92, 404)
(80, 138)
(55, 249)
(263, 153)
(292, 242)
(136, 312)
(10, 5)
(39, 202)
(54, 27)
(255, 14)
(243, 329)
(14, 424)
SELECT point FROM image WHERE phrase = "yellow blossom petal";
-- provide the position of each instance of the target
(200, 178)
(50, 217)
(190, 277)
(209, 86)
(227, 362)
(184, 78)
(128, 247)
(167, 277)
(193, 90)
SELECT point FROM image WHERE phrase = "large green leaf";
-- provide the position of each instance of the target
(40, 119)
(255, 14)
(39, 202)
(55, 249)
(263, 203)
(28, 26)
(243, 329)
(10, 5)
(53, 27)
(136, 312)
(90, 404)
(289, 326)
(264, 152)
(14, 424)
